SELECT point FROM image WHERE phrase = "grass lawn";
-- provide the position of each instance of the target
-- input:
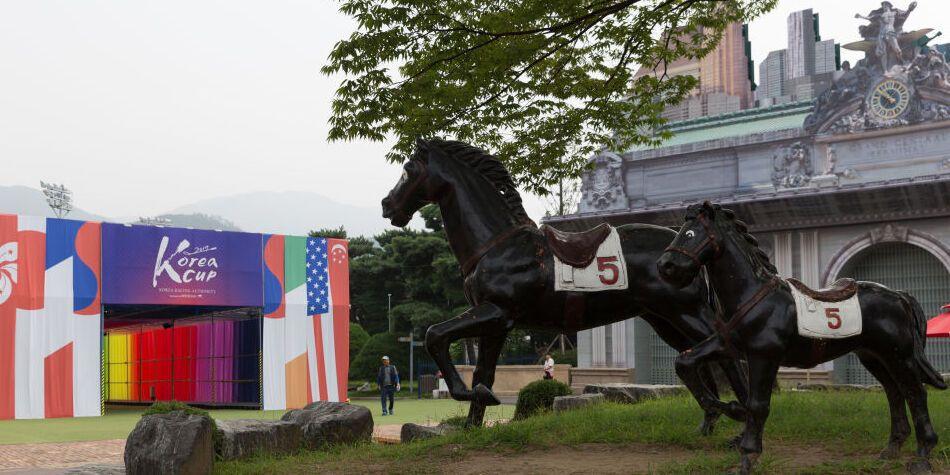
(806, 433)
(118, 422)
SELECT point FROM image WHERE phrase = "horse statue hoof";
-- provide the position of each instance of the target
(919, 465)
(484, 396)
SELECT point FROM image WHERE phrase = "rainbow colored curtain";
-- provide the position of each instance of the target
(213, 362)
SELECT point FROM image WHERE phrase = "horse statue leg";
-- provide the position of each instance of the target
(489, 348)
(481, 320)
(900, 427)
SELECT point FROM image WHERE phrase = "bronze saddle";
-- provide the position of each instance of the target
(576, 249)
(841, 289)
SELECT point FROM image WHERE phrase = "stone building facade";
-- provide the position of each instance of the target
(853, 184)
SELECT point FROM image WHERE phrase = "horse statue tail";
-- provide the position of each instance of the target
(927, 372)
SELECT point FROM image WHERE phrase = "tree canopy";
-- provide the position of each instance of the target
(541, 83)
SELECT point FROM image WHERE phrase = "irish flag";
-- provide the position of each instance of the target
(306, 320)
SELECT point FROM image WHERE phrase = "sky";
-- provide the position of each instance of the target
(144, 106)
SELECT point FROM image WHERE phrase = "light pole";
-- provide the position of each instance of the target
(58, 197)
(389, 312)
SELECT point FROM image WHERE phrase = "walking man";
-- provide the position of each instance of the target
(388, 381)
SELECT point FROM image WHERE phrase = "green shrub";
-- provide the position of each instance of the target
(367, 362)
(164, 407)
(358, 338)
(538, 397)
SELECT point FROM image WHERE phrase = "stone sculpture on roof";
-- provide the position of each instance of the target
(899, 82)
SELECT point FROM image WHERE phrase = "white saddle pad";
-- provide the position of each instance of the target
(608, 271)
(827, 320)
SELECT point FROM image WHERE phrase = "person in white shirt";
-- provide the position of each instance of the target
(548, 367)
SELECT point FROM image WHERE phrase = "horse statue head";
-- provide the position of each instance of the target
(708, 230)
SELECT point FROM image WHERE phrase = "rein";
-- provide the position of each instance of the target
(469, 265)
(710, 239)
(725, 328)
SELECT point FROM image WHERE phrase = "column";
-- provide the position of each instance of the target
(783, 253)
(584, 349)
(619, 342)
(598, 357)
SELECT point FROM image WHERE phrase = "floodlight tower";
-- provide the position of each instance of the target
(58, 197)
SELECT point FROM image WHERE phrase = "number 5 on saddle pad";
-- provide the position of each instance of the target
(826, 319)
(607, 271)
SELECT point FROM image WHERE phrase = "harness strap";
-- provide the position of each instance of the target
(709, 240)
(469, 265)
(725, 329)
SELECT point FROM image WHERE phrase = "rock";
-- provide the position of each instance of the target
(328, 423)
(633, 393)
(245, 437)
(566, 403)
(411, 432)
(171, 443)
(837, 387)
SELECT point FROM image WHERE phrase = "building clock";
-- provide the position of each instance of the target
(889, 99)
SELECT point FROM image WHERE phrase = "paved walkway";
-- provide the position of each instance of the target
(23, 457)
(60, 455)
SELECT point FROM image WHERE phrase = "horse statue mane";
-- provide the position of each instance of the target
(489, 167)
(741, 228)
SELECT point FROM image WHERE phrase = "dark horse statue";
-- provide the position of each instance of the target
(763, 327)
(508, 270)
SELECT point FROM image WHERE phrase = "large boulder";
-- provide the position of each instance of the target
(172, 443)
(245, 437)
(330, 423)
(633, 393)
(566, 403)
(411, 432)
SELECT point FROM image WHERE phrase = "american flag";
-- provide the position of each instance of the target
(318, 277)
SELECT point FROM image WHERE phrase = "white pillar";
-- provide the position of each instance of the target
(598, 338)
(783, 253)
(619, 341)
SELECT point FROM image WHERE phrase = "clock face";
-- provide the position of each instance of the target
(889, 99)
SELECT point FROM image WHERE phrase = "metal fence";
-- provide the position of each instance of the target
(906, 267)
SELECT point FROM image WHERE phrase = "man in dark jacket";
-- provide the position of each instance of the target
(388, 381)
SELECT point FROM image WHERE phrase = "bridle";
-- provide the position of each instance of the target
(723, 327)
(710, 240)
(415, 183)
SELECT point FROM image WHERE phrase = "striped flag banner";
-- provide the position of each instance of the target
(306, 325)
(50, 317)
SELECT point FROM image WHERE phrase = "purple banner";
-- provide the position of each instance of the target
(174, 266)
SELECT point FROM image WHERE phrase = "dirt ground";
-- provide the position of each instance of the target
(626, 459)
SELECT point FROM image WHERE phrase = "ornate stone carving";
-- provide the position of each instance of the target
(884, 89)
(889, 233)
(885, 33)
(791, 166)
(603, 186)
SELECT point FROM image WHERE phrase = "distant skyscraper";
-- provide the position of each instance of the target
(827, 57)
(726, 69)
(802, 35)
(772, 76)
(725, 79)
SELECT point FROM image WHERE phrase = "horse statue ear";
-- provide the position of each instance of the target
(421, 144)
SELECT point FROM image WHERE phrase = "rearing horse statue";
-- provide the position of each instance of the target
(508, 269)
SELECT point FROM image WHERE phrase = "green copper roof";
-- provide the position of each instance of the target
(750, 121)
